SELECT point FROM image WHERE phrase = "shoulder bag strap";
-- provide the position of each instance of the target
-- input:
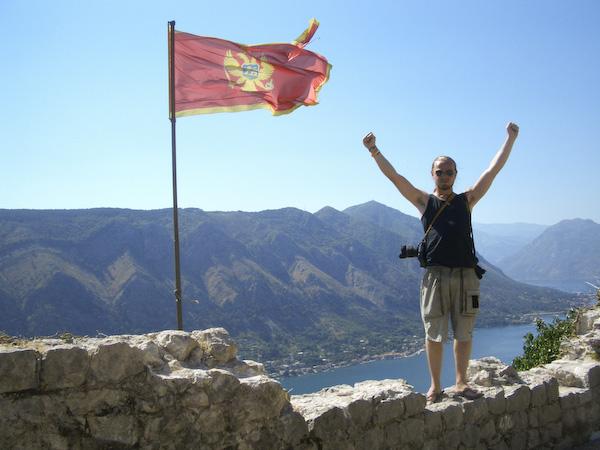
(446, 203)
(472, 241)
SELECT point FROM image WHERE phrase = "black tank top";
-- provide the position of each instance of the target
(449, 243)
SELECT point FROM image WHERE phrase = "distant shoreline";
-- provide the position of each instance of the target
(416, 347)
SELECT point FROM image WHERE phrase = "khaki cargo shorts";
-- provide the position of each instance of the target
(448, 292)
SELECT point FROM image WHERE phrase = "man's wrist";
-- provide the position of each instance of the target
(374, 151)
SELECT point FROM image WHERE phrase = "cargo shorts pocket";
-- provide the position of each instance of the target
(470, 303)
(431, 298)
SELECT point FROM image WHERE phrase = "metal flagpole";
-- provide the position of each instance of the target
(178, 292)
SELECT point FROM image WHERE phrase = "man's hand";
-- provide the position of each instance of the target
(513, 130)
(412, 194)
(482, 185)
(369, 141)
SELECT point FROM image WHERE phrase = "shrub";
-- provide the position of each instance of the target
(545, 347)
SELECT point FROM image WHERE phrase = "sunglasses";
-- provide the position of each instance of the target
(449, 172)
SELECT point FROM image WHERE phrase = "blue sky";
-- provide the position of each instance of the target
(84, 121)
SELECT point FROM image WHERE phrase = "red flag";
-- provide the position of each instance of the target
(213, 75)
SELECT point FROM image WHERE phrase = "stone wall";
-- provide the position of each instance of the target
(179, 390)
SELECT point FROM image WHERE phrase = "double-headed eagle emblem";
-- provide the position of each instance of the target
(250, 73)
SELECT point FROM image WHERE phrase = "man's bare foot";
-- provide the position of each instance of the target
(462, 390)
(435, 396)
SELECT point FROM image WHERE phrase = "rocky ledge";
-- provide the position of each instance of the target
(171, 389)
(174, 390)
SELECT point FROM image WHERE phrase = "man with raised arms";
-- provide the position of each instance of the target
(450, 285)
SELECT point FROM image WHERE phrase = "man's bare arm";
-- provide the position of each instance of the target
(482, 185)
(412, 194)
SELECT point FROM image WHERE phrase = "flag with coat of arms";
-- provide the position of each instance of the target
(214, 75)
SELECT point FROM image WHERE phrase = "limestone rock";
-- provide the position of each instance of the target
(584, 374)
(538, 394)
(245, 368)
(490, 371)
(114, 360)
(178, 343)
(452, 439)
(339, 412)
(475, 411)
(217, 344)
(543, 386)
(414, 403)
(64, 366)
(118, 429)
(311, 406)
(153, 354)
(534, 417)
(586, 319)
(433, 422)
(98, 402)
(361, 412)
(481, 378)
(295, 428)
(382, 389)
(452, 417)
(505, 424)
(518, 440)
(388, 410)
(570, 397)
(195, 399)
(147, 391)
(18, 370)
(331, 426)
(432, 444)
(488, 430)
(533, 438)
(520, 420)
(223, 386)
(175, 389)
(496, 401)
(540, 374)
(550, 414)
(585, 346)
(471, 436)
(413, 432)
(260, 398)
(517, 398)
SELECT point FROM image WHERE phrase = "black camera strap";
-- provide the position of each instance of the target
(439, 211)
(478, 269)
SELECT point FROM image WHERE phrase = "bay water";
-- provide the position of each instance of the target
(504, 343)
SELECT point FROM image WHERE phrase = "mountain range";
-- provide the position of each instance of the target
(284, 282)
(568, 252)
(498, 242)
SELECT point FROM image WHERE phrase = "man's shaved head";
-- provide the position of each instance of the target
(444, 158)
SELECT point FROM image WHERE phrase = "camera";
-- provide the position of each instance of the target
(408, 251)
(479, 271)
